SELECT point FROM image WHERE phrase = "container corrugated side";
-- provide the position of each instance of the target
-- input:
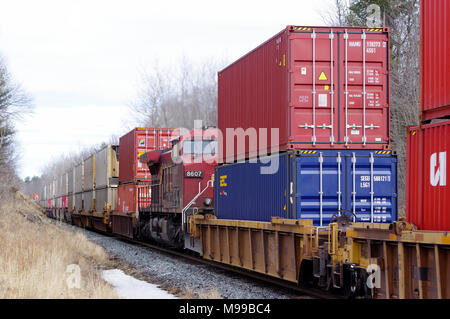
(79, 199)
(137, 142)
(65, 186)
(296, 82)
(70, 181)
(89, 173)
(71, 202)
(89, 201)
(106, 167)
(106, 199)
(79, 178)
(428, 192)
(312, 185)
(435, 59)
(127, 198)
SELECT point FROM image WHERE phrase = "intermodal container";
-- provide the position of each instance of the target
(107, 167)
(428, 192)
(435, 59)
(79, 202)
(320, 87)
(70, 181)
(310, 184)
(106, 199)
(64, 202)
(89, 201)
(89, 173)
(71, 202)
(128, 195)
(79, 178)
(135, 143)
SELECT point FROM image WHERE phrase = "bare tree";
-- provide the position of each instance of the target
(176, 97)
(14, 103)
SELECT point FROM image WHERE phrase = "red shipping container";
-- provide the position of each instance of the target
(64, 202)
(435, 59)
(428, 192)
(273, 87)
(134, 144)
(128, 197)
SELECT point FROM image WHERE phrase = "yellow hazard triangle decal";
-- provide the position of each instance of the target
(322, 76)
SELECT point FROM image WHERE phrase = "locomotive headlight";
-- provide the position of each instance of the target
(207, 201)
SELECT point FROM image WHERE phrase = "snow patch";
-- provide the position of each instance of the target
(128, 287)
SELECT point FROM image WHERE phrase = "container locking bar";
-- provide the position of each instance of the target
(371, 187)
(313, 37)
(363, 37)
(321, 187)
(332, 88)
(346, 139)
(339, 192)
(354, 186)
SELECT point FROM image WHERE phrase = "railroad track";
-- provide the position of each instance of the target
(308, 291)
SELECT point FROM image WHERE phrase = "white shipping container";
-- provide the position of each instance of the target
(89, 173)
(79, 178)
(88, 199)
(106, 167)
(79, 202)
(106, 199)
(70, 181)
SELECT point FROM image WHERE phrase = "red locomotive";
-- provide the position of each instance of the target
(182, 185)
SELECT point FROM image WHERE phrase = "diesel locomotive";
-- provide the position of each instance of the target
(182, 185)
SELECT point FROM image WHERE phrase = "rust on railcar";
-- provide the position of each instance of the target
(413, 263)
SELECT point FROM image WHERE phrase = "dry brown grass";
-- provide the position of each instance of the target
(35, 253)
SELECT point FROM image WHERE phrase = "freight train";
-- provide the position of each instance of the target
(182, 184)
(327, 215)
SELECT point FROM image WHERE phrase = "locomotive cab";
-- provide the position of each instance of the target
(182, 185)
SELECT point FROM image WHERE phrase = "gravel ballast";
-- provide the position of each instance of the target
(185, 278)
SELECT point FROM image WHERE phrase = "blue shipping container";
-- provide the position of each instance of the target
(309, 185)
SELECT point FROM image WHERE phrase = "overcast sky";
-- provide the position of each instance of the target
(81, 61)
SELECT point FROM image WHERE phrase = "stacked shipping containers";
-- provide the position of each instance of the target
(326, 92)
(322, 88)
(94, 183)
(89, 184)
(428, 193)
(106, 178)
(70, 189)
(78, 187)
(134, 174)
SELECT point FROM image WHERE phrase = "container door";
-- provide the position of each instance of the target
(364, 104)
(146, 141)
(313, 95)
(319, 186)
(371, 187)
